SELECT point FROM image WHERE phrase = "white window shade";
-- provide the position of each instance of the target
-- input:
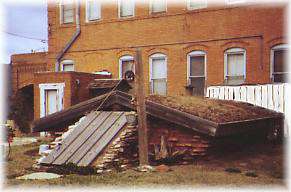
(159, 68)
(93, 10)
(235, 64)
(158, 6)
(67, 11)
(126, 8)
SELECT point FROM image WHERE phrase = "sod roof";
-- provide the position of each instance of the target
(219, 111)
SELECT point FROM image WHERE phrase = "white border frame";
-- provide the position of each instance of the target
(133, 11)
(157, 56)
(66, 62)
(191, 8)
(151, 7)
(87, 12)
(234, 2)
(233, 51)
(193, 54)
(282, 46)
(61, 12)
(125, 58)
(49, 86)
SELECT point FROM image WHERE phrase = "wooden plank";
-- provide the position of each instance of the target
(258, 95)
(83, 137)
(246, 126)
(99, 131)
(251, 94)
(141, 110)
(69, 139)
(103, 142)
(208, 92)
(69, 115)
(270, 97)
(243, 93)
(221, 92)
(230, 93)
(265, 96)
(226, 92)
(236, 93)
(276, 98)
(281, 98)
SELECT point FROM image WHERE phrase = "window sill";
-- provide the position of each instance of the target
(93, 21)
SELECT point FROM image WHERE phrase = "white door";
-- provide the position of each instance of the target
(159, 76)
(51, 101)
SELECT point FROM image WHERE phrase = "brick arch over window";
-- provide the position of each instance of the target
(125, 52)
(157, 50)
(276, 41)
(197, 47)
(235, 44)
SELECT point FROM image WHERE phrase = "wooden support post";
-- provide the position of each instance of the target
(141, 110)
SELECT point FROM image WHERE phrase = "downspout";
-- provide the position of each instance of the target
(72, 40)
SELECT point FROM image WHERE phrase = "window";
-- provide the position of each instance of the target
(126, 63)
(196, 4)
(67, 65)
(158, 6)
(67, 11)
(93, 10)
(126, 8)
(279, 71)
(235, 66)
(196, 67)
(158, 74)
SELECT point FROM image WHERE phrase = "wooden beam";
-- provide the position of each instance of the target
(59, 120)
(141, 110)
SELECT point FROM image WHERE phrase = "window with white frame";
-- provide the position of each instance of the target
(158, 74)
(157, 6)
(196, 71)
(93, 10)
(235, 66)
(126, 8)
(126, 63)
(279, 69)
(67, 65)
(230, 2)
(67, 11)
(196, 4)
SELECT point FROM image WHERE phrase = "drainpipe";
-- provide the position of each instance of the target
(72, 40)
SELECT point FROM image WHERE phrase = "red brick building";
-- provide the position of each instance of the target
(184, 45)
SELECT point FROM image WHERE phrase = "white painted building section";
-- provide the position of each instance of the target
(271, 96)
(51, 99)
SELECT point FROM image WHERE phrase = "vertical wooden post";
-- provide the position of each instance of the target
(141, 110)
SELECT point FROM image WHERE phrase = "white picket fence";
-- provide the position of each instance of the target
(271, 96)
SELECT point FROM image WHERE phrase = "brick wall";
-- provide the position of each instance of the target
(174, 33)
(73, 92)
(24, 66)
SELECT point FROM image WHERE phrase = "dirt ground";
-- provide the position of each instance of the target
(265, 161)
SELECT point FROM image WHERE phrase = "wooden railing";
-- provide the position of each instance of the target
(270, 96)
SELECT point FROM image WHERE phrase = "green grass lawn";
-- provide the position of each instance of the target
(268, 164)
